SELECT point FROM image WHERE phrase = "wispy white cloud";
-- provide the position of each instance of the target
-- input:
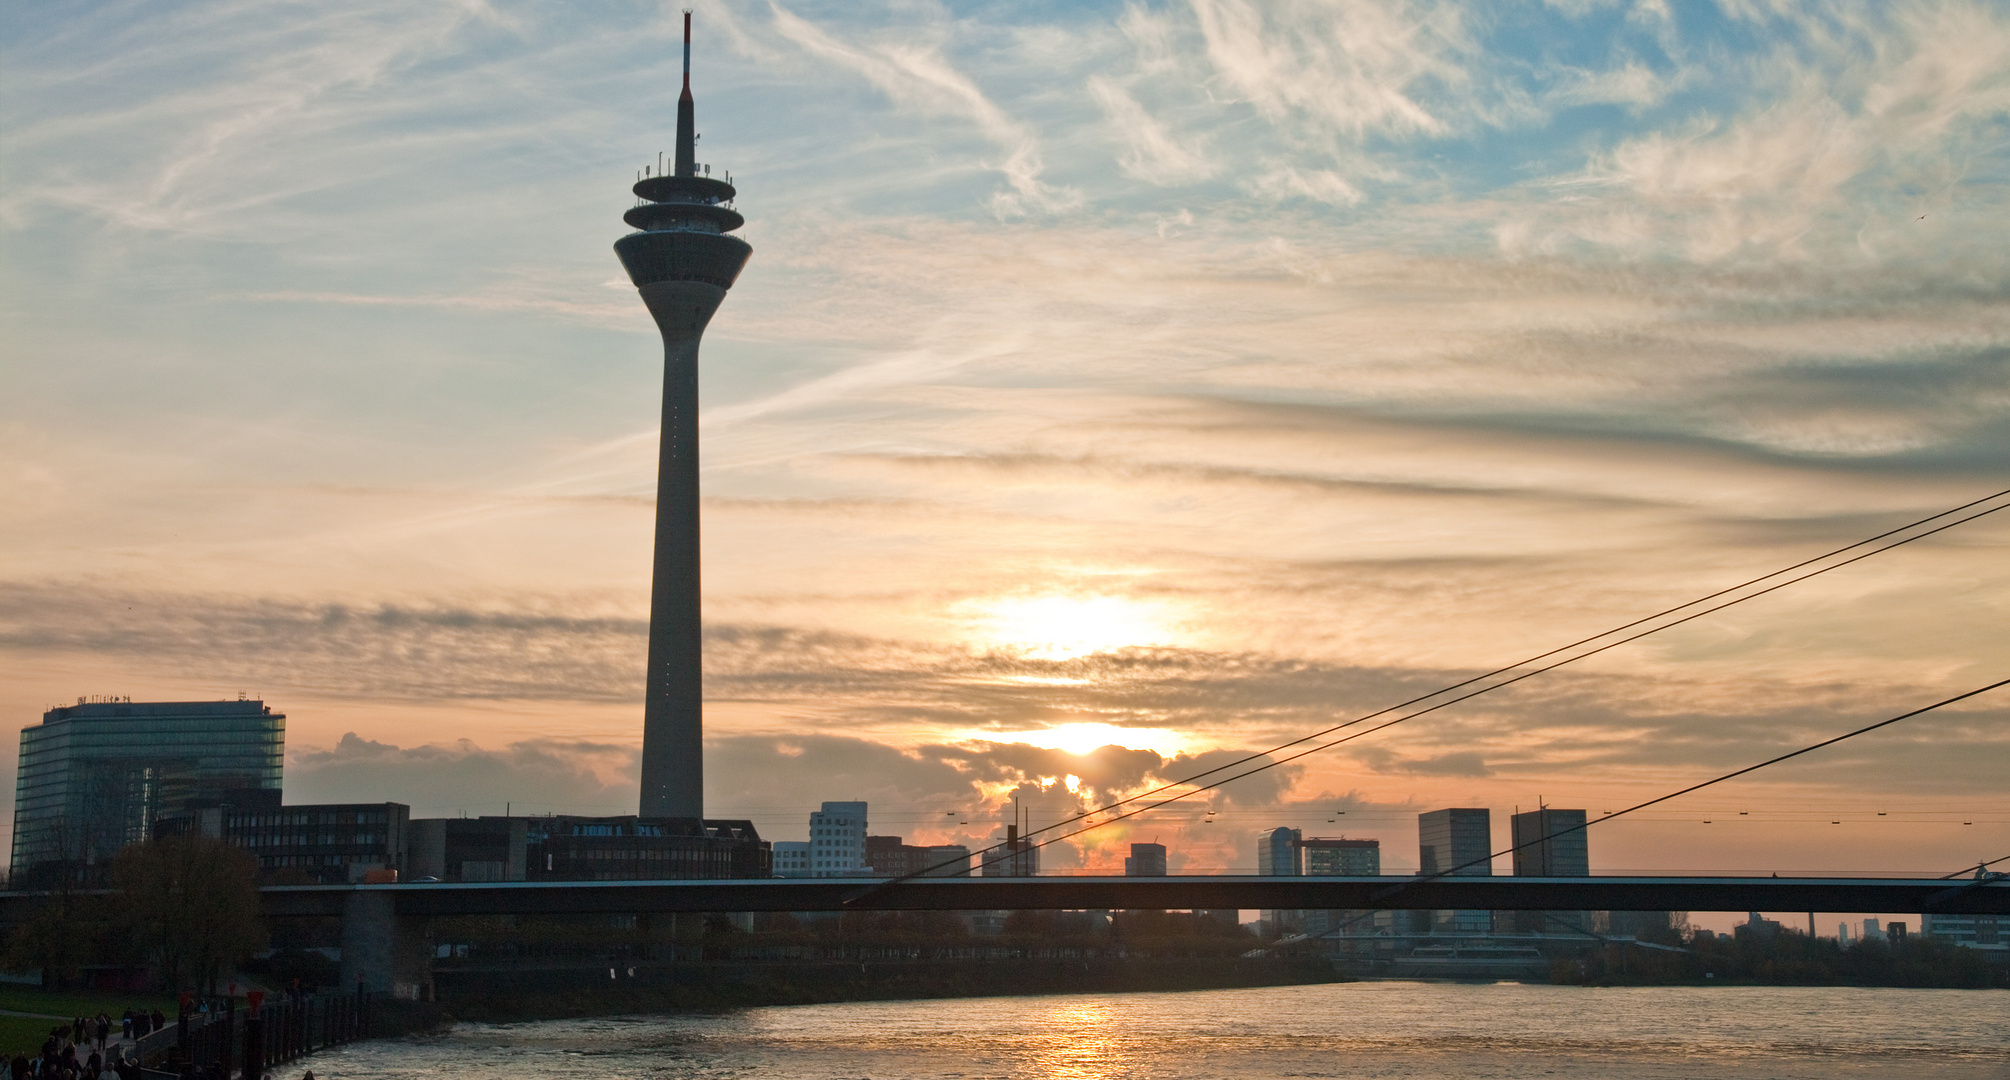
(920, 78)
(1353, 67)
(1151, 154)
(1844, 155)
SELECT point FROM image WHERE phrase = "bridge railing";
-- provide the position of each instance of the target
(277, 1032)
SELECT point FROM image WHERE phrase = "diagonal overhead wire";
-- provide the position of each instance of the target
(1563, 654)
(1487, 860)
(1732, 775)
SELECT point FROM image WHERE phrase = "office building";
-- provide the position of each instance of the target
(1551, 843)
(322, 844)
(94, 776)
(1146, 860)
(682, 262)
(837, 840)
(1325, 856)
(791, 858)
(640, 849)
(888, 856)
(470, 849)
(1340, 857)
(1277, 853)
(1457, 841)
(1969, 931)
(569, 848)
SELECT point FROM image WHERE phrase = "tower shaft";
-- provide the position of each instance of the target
(682, 262)
(673, 775)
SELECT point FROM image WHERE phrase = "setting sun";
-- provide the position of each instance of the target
(1066, 627)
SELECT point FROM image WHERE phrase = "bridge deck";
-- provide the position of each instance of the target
(1894, 895)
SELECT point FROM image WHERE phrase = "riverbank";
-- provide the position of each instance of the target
(520, 994)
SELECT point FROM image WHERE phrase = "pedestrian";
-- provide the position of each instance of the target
(126, 1025)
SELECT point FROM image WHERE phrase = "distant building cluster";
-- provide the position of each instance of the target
(841, 846)
(1457, 841)
(98, 775)
(104, 773)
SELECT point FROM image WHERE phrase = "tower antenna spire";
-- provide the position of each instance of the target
(687, 133)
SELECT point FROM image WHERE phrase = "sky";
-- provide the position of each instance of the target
(1115, 388)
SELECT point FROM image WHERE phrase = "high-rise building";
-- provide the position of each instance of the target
(1277, 853)
(94, 776)
(682, 262)
(837, 840)
(1146, 860)
(1325, 856)
(1457, 841)
(1341, 857)
(1550, 843)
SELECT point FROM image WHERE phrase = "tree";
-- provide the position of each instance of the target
(191, 906)
(59, 938)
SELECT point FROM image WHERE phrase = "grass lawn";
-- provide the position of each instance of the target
(82, 1003)
(24, 1034)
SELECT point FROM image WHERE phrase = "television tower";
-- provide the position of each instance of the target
(682, 262)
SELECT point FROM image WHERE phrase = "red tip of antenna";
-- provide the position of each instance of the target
(687, 26)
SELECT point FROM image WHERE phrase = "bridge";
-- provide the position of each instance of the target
(1899, 895)
(385, 944)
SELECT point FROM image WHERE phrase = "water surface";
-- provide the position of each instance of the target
(1349, 1030)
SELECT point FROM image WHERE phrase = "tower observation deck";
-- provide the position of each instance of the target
(682, 261)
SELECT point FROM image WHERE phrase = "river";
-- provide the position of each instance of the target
(1380, 1030)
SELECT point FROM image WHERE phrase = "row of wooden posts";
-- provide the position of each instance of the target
(265, 1033)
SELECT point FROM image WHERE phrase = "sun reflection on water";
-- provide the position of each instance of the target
(1077, 1040)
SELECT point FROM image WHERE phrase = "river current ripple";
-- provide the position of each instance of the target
(1368, 1030)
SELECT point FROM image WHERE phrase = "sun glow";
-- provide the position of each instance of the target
(1082, 738)
(1065, 627)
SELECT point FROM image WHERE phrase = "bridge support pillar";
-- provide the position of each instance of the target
(383, 952)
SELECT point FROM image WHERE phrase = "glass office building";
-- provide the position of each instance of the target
(1457, 841)
(94, 776)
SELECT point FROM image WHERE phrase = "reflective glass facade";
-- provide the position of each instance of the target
(93, 777)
